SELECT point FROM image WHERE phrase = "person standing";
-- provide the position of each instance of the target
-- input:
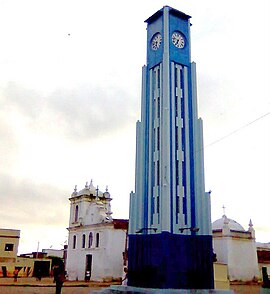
(39, 274)
(59, 277)
(15, 275)
(125, 277)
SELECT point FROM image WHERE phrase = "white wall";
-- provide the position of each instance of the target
(240, 255)
(243, 262)
(107, 259)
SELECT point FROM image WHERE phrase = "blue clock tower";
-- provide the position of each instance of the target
(170, 242)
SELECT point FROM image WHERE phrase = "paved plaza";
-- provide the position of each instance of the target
(46, 286)
(43, 290)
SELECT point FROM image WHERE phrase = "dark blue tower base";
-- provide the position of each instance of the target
(170, 261)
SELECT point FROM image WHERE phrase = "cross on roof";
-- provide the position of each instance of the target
(223, 207)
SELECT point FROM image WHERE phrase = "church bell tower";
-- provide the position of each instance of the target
(170, 242)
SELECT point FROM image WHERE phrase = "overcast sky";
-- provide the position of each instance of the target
(70, 86)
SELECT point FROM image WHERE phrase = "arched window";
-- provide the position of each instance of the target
(90, 240)
(97, 240)
(83, 241)
(74, 242)
(76, 213)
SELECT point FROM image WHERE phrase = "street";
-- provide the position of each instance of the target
(43, 290)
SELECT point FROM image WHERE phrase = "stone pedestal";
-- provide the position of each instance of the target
(136, 290)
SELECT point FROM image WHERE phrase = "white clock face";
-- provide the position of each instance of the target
(178, 40)
(156, 41)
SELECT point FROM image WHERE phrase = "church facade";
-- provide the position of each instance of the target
(96, 242)
(236, 247)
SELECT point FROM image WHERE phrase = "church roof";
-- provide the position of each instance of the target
(233, 225)
(90, 190)
(120, 224)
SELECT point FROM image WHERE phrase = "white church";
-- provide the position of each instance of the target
(236, 247)
(97, 243)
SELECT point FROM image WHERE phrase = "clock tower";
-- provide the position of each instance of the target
(170, 242)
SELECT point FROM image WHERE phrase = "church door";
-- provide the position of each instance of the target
(88, 267)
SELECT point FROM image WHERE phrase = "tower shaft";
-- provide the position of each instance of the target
(169, 205)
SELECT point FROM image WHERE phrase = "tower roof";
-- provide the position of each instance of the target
(172, 11)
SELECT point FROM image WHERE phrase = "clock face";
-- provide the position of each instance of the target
(156, 41)
(178, 40)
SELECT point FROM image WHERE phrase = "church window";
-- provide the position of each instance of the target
(97, 240)
(74, 242)
(90, 240)
(83, 241)
(76, 213)
(9, 247)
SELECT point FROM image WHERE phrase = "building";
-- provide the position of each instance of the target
(263, 253)
(27, 265)
(170, 239)
(97, 243)
(236, 247)
(54, 252)
(9, 243)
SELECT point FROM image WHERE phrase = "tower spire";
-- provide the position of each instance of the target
(251, 229)
(97, 190)
(74, 191)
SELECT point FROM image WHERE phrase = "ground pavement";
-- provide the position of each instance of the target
(46, 286)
